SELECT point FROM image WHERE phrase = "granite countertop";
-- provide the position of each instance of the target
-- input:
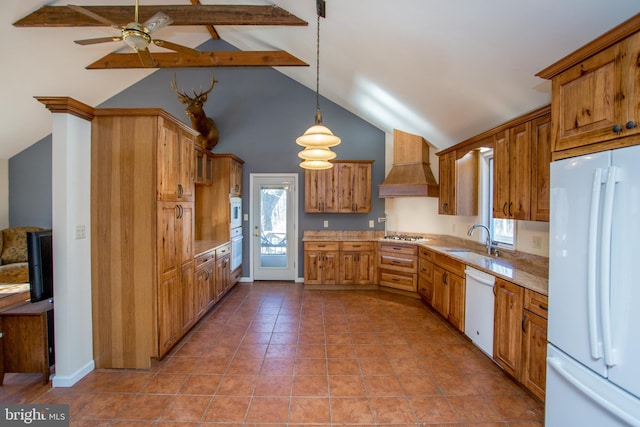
(202, 246)
(526, 270)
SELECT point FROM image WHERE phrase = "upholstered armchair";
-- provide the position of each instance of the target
(14, 266)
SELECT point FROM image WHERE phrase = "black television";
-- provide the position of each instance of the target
(40, 257)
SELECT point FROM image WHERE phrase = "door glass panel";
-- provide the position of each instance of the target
(273, 226)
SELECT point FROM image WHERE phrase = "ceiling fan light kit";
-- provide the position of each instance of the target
(318, 139)
(135, 37)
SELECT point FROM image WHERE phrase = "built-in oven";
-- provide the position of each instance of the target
(236, 248)
(236, 212)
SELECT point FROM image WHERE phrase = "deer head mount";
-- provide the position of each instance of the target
(208, 137)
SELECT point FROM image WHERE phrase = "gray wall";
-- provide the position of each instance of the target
(259, 113)
(30, 186)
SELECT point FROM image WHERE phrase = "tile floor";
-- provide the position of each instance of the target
(273, 354)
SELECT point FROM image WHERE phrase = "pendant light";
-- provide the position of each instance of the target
(318, 139)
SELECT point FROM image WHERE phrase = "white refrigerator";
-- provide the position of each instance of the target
(593, 358)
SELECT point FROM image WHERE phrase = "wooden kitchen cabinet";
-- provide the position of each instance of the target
(541, 168)
(398, 266)
(425, 274)
(448, 297)
(534, 343)
(512, 173)
(595, 96)
(203, 167)
(321, 263)
(222, 279)
(204, 282)
(458, 182)
(357, 263)
(345, 188)
(142, 258)
(354, 186)
(507, 330)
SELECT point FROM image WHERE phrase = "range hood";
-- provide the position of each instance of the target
(410, 175)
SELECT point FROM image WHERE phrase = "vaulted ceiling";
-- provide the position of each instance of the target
(445, 70)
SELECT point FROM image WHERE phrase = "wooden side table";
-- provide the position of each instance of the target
(24, 340)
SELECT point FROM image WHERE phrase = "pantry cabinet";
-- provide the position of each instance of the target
(142, 259)
(345, 188)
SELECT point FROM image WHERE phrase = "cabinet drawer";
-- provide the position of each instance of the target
(406, 282)
(223, 250)
(397, 248)
(321, 246)
(397, 262)
(536, 303)
(357, 246)
(425, 268)
(450, 264)
(205, 258)
(426, 254)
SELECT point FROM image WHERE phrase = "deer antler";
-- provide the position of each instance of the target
(182, 96)
(213, 82)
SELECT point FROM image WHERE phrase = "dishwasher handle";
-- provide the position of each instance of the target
(480, 276)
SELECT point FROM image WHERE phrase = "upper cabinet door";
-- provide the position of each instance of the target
(519, 172)
(501, 175)
(175, 163)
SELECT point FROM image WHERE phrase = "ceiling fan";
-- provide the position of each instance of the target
(136, 35)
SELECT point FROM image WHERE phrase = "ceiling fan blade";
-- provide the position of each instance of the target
(157, 21)
(146, 58)
(95, 16)
(98, 40)
(176, 47)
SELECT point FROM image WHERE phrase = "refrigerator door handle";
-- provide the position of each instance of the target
(605, 265)
(557, 366)
(592, 251)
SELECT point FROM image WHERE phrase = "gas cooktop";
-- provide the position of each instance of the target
(405, 237)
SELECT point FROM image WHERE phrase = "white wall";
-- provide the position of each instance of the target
(71, 169)
(420, 215)
(4, 193)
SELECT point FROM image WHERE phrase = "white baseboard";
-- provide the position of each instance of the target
(69, 380)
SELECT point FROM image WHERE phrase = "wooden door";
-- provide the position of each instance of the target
(456, 286)
(313, 267)
(235, 179)
(201, 282)
(329, 267)
(348, 268)
(440, 300)
(629, 117)
(365, 268)
(186, 178)
(501, 175)
(540, 167)
(169, 313)
(168, 249)
(507, 330)
(519, 172)
(320, 191)
(534, 357)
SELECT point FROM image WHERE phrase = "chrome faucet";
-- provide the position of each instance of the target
(491, 249)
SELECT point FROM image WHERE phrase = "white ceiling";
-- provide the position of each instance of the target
(445, 70)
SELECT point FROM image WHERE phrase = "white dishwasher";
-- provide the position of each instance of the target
(478, 322)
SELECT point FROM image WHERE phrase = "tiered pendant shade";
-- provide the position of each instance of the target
(318, 136)
(319, 153)
(316, 164)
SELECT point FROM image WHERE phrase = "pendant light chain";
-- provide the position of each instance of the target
(318, 114)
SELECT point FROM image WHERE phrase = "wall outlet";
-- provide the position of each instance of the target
(245, 217)
(81, 231)
(371, 225)
(326, 223)
(536, 242)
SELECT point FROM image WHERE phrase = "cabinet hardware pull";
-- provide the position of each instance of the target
(617, 129)
(357, 246)
(504, 209)
(630, 124)
(444, 278)
(524, 319)
(543, 307)
(180, 190)
(510, 206)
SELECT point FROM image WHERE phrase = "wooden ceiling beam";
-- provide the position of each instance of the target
(276, 58)
(62, 16)
(210, 28)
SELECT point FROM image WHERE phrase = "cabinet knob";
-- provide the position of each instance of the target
(617, 128)
(630, 124)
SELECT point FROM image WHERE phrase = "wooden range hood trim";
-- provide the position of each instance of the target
(409, 180)
(276, 58)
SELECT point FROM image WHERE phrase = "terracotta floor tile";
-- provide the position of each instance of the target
(343, 367)
(245, 366)
(408, 366)
(275, 366)
(309, 410)
(105, 405)
(213, 365)
(225, 409)
(391, 410)
(473, 409)
(237, 385)
(419, 385)
(144, 407)
(383, 385)
(339, 339)
(494, 384)
(130, 383)
(284, 338)
(310, 367)
(517, 408)
(349, 410)
(371, 351)
(165, 383)
(186, 408)
(380, 366)
(341, 351)
(310, 385)
(201, 384)
(455, 385)
(440, 365)
(268, 410)
(434, 409)
(281, 350)
(311, 351)
(183, 365)
(273, 385)
(194, 348)
(346, 385)
(98, 380)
